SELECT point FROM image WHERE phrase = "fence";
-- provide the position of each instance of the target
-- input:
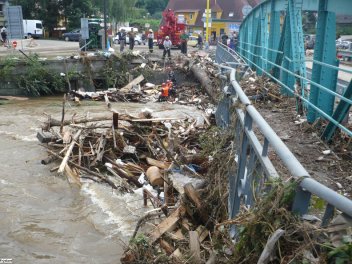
(254, 167)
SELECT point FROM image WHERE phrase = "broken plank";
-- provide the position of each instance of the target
(194, 246)
(69, 151)
(202, 233)
(167, 224)
(166, 246)
(129, 86)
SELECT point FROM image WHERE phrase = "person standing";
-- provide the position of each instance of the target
(224, 39)
(122, 40)
(200, 41)
(131, 39)
(184, 38)
(4, 36)
(167, 47)
(232, 41)
(150, 40)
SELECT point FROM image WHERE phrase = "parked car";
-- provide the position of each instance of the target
(192, 41)
(137, 40)
(343, 44)
(73, 35)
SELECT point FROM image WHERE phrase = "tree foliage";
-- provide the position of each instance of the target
(69, 12)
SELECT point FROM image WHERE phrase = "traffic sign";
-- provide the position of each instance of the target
(14, 19)
(84, 28)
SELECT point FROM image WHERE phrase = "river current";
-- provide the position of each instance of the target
(44, 219)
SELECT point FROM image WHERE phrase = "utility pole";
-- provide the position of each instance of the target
(105, 27)
(207, 24)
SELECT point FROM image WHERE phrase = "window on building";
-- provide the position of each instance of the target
(231, 14)
(191, 16)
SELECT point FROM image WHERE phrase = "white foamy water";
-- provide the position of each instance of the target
(120, 211)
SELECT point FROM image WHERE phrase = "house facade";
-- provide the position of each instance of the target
(226, 15)
(3, 4)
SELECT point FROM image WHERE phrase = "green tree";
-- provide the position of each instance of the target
(154, 6)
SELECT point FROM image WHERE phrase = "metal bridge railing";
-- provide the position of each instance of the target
(335, 118)
(254, 167)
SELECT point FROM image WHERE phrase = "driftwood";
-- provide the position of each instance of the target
(100, 176)
(122, 173)
(203, 78)
(270, 247)
(102, 117)
(192, 194)
(68, 153)
(129, 86)
(167, 224)
(194, 246)
(166, 246)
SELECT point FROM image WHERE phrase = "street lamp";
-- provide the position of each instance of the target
(105, 27)
(207, 25)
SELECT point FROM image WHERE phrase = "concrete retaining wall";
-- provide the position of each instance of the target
(86, 66)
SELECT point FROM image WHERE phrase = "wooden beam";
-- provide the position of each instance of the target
(167, 224)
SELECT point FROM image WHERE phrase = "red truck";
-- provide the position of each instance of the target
(171, 27)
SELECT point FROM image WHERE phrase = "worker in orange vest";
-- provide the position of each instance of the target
(165, 92)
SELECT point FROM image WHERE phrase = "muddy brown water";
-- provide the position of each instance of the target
(43, 219)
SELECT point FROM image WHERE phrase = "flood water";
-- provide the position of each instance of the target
(43, 219)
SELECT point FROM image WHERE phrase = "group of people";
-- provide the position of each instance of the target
(233, 40)
(167, 43)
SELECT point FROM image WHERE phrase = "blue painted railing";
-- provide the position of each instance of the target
(254, 167)
(271, 42)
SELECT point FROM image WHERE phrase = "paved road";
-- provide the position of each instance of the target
(53, 48)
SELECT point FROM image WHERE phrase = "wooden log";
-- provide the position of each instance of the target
(154, 175)
(270, 247)
(160, 164)
(129, 86)
(203, 78)
(122, 173)
(194, 246)
(167, 225)
(101, 117)
(158, 119)
(166, 246)
(100, 176)
(72, 175)
(63, 112)
(69, 151)
(115, 120)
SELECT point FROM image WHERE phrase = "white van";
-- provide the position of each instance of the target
(128, 29)
(32, 28)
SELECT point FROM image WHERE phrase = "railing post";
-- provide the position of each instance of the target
(274, 33)
(301, 201)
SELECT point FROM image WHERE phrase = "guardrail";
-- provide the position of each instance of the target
(254, 167)
(341, 107)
